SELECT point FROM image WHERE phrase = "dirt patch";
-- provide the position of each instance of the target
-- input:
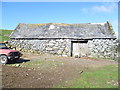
(33, 77)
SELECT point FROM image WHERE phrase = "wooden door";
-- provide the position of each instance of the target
(79, 48)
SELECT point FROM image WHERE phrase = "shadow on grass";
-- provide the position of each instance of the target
(21, 60)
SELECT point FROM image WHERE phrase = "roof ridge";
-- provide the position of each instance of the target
(64, 24)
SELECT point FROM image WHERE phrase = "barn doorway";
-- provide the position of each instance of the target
(79, 48)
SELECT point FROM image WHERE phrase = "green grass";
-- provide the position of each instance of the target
(115, 59)
(4, 34)
(38, 64)
(104, 77)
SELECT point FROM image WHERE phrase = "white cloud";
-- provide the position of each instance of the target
(101, 9)
(106, 7)
(85, 10)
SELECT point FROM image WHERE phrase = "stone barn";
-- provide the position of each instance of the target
(85, 39)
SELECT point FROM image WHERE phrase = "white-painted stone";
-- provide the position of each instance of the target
(51, 27)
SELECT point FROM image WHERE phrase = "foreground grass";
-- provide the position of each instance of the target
(38, 64)
(41, 64)
(95, 58)
(106, 77)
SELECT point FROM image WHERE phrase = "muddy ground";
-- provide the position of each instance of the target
(49, 76)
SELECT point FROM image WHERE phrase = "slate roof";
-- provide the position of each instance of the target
(61, 30)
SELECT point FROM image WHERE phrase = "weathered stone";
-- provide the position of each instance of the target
(50, 44)
(55, 48)
(98, 47)
(64, 55)
(59, 52)
(52, 41)
(63, 46)
(77, 55)
(49, 49)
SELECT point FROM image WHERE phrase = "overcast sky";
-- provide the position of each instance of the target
(59, 12)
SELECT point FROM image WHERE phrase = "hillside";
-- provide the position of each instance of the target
(4, 34)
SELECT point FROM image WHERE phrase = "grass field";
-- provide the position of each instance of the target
(105, 77)
(4, 34)
(38, 64)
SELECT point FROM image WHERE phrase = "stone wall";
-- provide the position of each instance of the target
(103, 48)
(58, 47)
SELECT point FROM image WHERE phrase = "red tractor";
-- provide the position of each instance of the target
(7, 54)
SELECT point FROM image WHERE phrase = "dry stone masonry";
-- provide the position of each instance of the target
(103, 48)
(89, 39)
(57, 47)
